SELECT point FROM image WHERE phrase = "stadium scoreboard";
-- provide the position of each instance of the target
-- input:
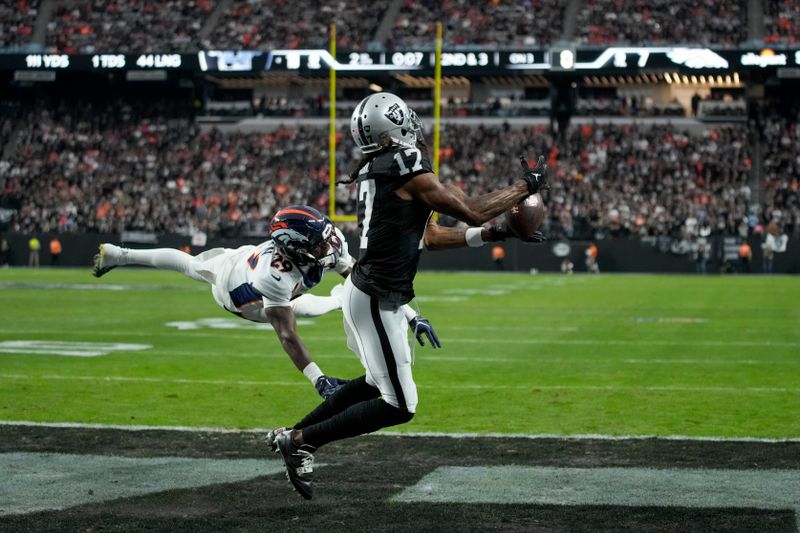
(612, 59)
(96, 61)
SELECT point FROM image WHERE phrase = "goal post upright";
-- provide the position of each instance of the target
(332, 137)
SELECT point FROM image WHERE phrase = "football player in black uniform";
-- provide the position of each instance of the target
(397, 192)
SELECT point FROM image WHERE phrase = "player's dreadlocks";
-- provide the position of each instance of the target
(386, 143)
(358, 165)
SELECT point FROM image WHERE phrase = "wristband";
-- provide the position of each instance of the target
(474, 237)
(312, 372)
(409, 312)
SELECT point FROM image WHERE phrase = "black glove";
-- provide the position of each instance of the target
(422, 326)
(536, 177)
(501, 232)
(327, 385)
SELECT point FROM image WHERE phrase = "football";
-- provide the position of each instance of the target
(525, 218)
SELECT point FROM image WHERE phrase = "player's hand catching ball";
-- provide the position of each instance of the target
(535, 177)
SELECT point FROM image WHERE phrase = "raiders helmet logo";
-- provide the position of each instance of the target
(395, 114)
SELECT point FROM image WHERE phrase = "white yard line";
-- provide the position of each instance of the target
(226, 334)
(451, 435)
(458, 386)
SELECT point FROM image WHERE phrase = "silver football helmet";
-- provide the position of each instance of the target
(382, 119)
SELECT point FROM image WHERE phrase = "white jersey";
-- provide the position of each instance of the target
(250, 279)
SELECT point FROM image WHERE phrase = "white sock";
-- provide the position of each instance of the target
(165, 259)
(309, 305)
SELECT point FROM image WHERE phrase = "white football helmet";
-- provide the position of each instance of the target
(380, 115)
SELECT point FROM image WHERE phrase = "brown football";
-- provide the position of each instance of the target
(525, 218)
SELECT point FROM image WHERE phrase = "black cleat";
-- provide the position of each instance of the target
(271, 438)
(299, 461)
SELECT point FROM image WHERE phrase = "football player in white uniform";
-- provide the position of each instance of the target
(263, 283)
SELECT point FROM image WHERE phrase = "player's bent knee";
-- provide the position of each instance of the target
(397, 415)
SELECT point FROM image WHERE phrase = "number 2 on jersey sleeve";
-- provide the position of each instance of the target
(417, 166)
(366, 197)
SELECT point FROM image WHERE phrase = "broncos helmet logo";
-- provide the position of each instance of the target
(299, 231)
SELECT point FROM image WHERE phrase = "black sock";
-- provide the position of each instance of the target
(351, 393)
(364, 417)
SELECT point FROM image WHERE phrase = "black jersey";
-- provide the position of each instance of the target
(391, 228)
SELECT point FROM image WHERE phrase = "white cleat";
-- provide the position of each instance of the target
(107, 258)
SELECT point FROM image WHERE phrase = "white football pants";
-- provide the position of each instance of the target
(378, 334)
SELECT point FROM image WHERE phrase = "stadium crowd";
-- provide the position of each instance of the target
(178, 25)
(781, 141)
(255, 24)
(520, 23)
(87, 26)
(78, 168)
(658, 21)
(616, 179)
(781, 21)
(16, 22)
(150, 168)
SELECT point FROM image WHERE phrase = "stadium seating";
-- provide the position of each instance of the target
(17, 20)
(178, 25)
(100, 170)
(781, 170)
(285, 24)
(86, 26)
(658, 21)
(520, 23)
(150, 170)
(781, 21)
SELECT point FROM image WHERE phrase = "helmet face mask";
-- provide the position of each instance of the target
(383, 119)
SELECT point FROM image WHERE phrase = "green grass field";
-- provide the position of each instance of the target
(546, 354)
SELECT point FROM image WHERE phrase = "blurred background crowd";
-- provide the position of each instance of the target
(188, 25)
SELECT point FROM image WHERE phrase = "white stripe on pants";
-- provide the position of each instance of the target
(378, 335)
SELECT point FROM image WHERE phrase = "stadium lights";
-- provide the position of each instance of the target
(567, 59)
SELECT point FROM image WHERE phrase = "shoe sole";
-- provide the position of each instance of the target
(99, 259)
(272, 440)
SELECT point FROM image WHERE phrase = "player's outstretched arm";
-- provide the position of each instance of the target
(474, 211)
(285, 326)
(284, 323)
